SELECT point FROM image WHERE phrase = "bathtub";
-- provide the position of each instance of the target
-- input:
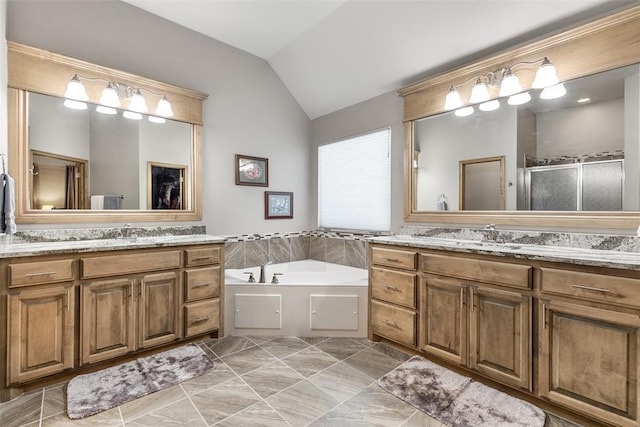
(312, 298)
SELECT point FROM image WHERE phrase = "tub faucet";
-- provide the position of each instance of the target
(262, 270)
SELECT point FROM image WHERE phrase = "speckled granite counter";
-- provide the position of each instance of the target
(9, 250)
(570, 255)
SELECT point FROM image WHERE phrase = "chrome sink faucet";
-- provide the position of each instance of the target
(262, 272)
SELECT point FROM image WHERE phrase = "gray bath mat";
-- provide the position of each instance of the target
(92, 393)
(456, 400)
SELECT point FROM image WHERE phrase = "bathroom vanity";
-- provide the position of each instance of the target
(559, 326)
(72, 307)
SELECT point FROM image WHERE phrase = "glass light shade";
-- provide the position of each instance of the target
(106, 110)
(137, 102)
(154, 119)
(131, 115)
(453, 99)
(553, 92)
(545, 76)
(479, 92)
(75, 105)
(75, 90)
(510, 85)
(464, 112)
(110, 97)
(490, 105)
(164, 108)
(519, 98)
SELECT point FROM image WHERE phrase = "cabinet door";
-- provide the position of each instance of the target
(41, 339)
(107, 327)
(444, 319)
(589, 361)
(500, 335)
(158, 309)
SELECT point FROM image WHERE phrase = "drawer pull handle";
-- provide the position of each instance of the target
(46, 273)
(473, 301)
(544, 315)
(391, 288)
(591, 288)
(201, 285)
(461, 300)
(392, 259)
(391, 323)
(68, 300)
(202, 258)
(201, 319)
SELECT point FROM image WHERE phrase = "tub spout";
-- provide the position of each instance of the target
(262, 272)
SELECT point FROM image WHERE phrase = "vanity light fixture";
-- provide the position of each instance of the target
(509, 84)
(111, 96)
(553, 92)
(464, 111)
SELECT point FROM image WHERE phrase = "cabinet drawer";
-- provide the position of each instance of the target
(202, 283)
(394, 258)
(201, 317)
(115, 265)
(35, 273)
(501, 273)
(202, 256)
(592, 286)
(394, 323)
(394, 286)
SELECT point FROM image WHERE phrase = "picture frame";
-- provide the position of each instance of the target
(166, 183)
(252, 170)
(278, 204)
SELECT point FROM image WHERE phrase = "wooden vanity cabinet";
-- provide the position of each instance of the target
(203, 287)
(590, 343)
(41, 322)
(393, 308)
(477, 313)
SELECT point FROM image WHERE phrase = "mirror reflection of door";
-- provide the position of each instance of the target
(58, 182)
(482, 184)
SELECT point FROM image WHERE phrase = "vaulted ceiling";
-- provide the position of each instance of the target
(335, 53)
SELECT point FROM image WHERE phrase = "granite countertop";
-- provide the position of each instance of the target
(570, 255)
(9, 250)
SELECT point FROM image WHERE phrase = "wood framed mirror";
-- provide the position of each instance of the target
(99, 160)
(602, 56)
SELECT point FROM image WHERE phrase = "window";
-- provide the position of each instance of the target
(354, 183)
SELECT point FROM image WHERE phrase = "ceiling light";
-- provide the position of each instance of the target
(490, 105)
(464, 112)
(75, 90)
(479, 93)
(553, 92)
(453, 99)
(583, 100)
(545, 76)
(519, 98)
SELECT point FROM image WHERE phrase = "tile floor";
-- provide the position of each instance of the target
(258, 381)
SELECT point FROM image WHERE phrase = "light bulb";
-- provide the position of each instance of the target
(75, 105)
(553, 92)
(510, 84)
(75, 90)
(131, 115)
(479, 92)
(164, 107)
(464, 112)
(490, 105)
(453, 99)
(519, 98)
(110, 97)
(545, 76)
(137, 102)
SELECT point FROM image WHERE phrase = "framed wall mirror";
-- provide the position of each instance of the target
(568, 161)
(85, 165)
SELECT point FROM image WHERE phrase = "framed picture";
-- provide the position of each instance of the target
(278, 204)
(252, 170)
(166, 186)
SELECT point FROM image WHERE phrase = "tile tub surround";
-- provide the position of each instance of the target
(251, 250)
(266, 381)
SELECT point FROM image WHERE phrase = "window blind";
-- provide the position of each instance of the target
(354, 183)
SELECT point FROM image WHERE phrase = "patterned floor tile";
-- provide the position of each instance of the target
(151, 402)
(258, 415)
(351, 381)
(220, 374)
(247, 360)
(181, 413)
(21, 410)
(302, 403)
(228, 345)
(284, 346)
(110, 418)
(271, 379)
(372, 363)
(377, 407)
(341, 348)
(226, 399)
(309, 361)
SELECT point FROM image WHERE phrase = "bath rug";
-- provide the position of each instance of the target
(456, 400)
(96, 392)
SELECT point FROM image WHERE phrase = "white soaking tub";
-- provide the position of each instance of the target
(312, 298)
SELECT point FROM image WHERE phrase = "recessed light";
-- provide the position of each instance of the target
(583, 100)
